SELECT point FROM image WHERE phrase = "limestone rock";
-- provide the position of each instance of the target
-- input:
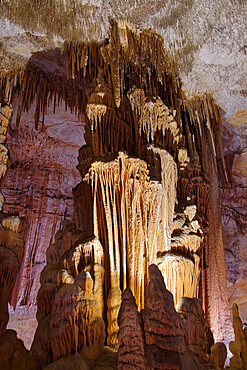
(194, 327)
(135, 217)
(38, 185)
(11, 254)
(71, 361)
(113, 307)
(48, 280)
(180, 274)
(131, 352)
(148, 149)
(239, 346)
(162, 325)
(218, 356)
(108, 360)
(76, 324)
(13, 354)
(41, 346)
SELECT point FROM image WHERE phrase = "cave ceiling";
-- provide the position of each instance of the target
(206, 39)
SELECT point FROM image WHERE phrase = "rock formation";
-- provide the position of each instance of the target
(45, 162)
(148, 195)
(161, 337)
(131, 341)
(70, 319)
(12, 240)
(234, 205)
(5, 116)
(239, 346)
(218, 356)
(12, 237)
(162, 326)
(75, 323)
(195, 332)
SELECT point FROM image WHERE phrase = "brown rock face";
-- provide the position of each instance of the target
(162, 326)
(39, 186)
(131, 351)
(194, 328)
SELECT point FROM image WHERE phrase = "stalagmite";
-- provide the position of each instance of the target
(239, 346)
(41, 347)
(68, 313)
(75, 322)
(162, 325)
(131, 341)
(194, 327)
(218, 356)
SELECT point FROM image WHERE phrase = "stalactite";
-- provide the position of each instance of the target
(132, 216)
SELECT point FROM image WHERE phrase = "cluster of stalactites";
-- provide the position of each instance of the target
(202, 128)
(131, 217)
(130, 58)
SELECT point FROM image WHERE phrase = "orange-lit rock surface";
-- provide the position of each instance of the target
(149, 194)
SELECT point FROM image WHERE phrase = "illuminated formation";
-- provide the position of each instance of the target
(147, 216)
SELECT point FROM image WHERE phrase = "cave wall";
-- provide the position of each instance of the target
(234, 205)
(38, 186)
